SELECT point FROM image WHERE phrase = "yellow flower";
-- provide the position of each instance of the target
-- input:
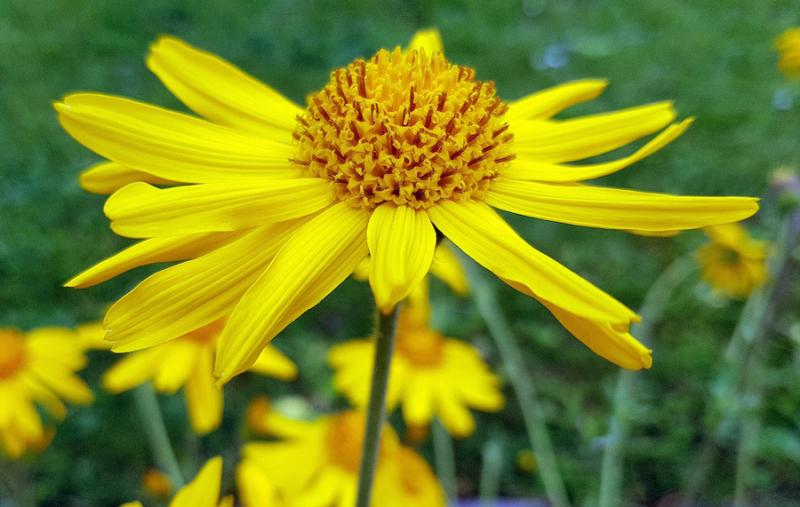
(318, 467)
(203, 491)
(274, 205)
(733, 262)
(37, 367)
(188, 362)
(788, 47)
(431, 375)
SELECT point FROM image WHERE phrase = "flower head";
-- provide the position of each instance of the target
(37, 367)
(187, 362)
(272, 205)
(788, 47)
(318, 466)
(431, 375)
(732, 262)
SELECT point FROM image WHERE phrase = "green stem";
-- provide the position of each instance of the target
(376, 409)
(653, 306)
(525, 391)
(147, 404)
(445, 459)
(492, 466)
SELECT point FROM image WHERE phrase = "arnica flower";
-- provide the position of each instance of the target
(431, 375)
(275, 205)
(732, 262)
(316, 465)
(37, 367)
(203, 491)
(788, 47)
(188, 363)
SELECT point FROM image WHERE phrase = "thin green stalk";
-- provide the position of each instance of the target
(525, 391)
(147, 404)
(655, 301)
(376, 409)
(491, 468)
(444, 458)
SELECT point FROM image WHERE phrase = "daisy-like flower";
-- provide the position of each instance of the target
(431, 375)
(275, 205)
(788, 47)
(732, 262)
(203, 491)
(188, 362)
(316, 465)
(37, 367)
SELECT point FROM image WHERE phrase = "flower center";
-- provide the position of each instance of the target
(416, 343)
(12, 352)
(345, 438)
(405, 128)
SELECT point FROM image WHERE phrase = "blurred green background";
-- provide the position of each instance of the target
(713, 58)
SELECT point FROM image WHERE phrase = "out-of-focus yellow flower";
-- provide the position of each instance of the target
(156, 483)
(92, 336)
(276, 204)
(788, 47)
(732, 262)
(188, 362)
(263, 419)
(430, 376)
(526, 461)
(37, 367)
(203, 491)
(318, 467)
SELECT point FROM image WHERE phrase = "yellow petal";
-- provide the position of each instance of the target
(203, 491)
(203, 397)
(551, 101)
(429, 39)
(218, 90)
(483, 235)
(587, 136)
(317, 258)
(619, 347)
(150, 251)
(455, 416)
(418, 402)
(612, 208)
(254, 487)
(133, 370)
(139, 210)
(401, 244)
(171, 145)
(529, 168)
(192, 294)
(108, 177)
(273, 363)
(447, 268)
(181, 359)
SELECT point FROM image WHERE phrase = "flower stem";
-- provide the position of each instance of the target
(491, 470)
(147, 404)
(376, 409)
(445, 459)
(655, 301)
(500, 331)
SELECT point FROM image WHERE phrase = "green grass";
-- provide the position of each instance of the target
(714, 59)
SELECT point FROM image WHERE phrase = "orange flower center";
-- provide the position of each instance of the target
(345, 438)
(12, 352)
(406, 128)
(207, 333)
(418, 344)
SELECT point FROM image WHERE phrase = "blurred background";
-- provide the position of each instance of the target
(714, 59)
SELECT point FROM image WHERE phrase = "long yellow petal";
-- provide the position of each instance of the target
(483, 235)
(192, 294)
(150, 251)
(203, 491)
(203, 397)
(274, 363)
(529, 168)
(219, 90)
(429, 39)
(171, 145)
(551, 101)
(140, 210)
(619, 347)
(133, 370)
(108, 177)
(447, 268)
(317, 258)
(612, 208)
(587, 136)
(255, 488)
(401, 243)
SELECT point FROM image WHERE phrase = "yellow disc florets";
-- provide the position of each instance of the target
(12, 352)
(405, 128)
